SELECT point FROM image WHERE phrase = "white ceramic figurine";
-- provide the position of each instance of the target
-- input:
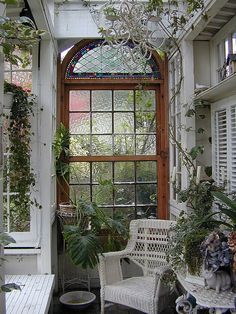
(219, 280)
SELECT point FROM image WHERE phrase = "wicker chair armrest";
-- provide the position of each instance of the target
(110, 267)
(114, 255)
(161, 270)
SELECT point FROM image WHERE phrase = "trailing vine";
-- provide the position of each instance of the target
(18, 171)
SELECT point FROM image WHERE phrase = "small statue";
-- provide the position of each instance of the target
(218, 280)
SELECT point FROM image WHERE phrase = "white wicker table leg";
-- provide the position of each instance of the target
(183, 306)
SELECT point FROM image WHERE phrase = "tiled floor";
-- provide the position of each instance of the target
(95, 308)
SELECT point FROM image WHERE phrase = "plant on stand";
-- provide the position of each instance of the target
(194, 225)
(87, 229)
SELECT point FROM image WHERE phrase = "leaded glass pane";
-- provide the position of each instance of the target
(103, 194)
(79, 172)
(145, 122)
(79, 100)
(101, 123)
(101, 100)
(79, 123)
(80, 145)
(124, 172)
(80, 191)
(146, 212)
(124, 122)
(124, 145)
(124, 194)
(98, 60)
(101, 145)
(145, 144)
(127, 212)
(146, 194)
(145, 100)
(123, 100)
(101, 171)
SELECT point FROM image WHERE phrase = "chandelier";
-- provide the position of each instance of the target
(131, 28)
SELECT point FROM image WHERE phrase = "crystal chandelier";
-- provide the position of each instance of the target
(131, 28)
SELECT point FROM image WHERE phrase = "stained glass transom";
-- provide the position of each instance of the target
(97, 60)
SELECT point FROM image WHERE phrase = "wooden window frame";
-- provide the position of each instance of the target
(160, 85)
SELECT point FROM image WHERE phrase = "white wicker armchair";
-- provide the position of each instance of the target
(147, 247)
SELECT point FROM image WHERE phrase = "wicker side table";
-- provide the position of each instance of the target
(197, 297)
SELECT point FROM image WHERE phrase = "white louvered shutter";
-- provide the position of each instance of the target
(220, 146)
(232, 148)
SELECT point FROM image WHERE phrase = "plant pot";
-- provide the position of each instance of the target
(8, 100)
(67, 213)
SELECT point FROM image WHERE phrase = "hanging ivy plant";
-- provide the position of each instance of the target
(19, 172)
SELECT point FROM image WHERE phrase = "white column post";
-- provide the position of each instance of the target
(2, 295)
(188, 138)
(47, 72)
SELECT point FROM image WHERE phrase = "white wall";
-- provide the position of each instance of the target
(74, 21)
(202, 73)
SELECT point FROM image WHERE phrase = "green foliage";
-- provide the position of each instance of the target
(20, 173)
(5, 239)
(17, 34)
(195, 151)
(83, 239)
(192, 253)
(8, 287)
(227, 207)
(83, 248)
(186, 237)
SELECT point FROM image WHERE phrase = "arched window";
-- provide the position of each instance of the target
(115, 111)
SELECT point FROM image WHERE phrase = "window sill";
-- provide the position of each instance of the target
(21, 251)
(221, 90)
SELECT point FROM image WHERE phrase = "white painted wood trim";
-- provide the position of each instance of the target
(34, 297)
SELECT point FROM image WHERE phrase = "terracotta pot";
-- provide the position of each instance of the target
(67, 213)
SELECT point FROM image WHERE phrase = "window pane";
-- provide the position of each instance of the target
(124, 172)
(13, 218)
(234, 43)
(127, 212)
(80, 191)
(145, 122)
(146, 212)
(124, 145)
(79, 123)
(79, 172)
(123, 100)
(80, 145)
(103, 194)
(23, 79)
(146, 171)
(79, 100)
(101, 123)
(102, 100)
(101, 171)
(124, 194)
(101, 145)
(145, 145)
(145, 100)
(146, 194)
(123, 123)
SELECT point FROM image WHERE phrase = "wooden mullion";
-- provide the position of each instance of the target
(112, 158)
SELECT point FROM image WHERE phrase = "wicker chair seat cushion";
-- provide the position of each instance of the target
(135, 292)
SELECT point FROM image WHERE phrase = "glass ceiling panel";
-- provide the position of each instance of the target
(97, 60)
